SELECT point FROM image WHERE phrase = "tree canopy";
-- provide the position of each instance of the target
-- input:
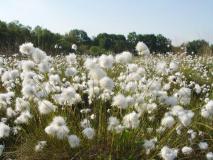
(14, 33)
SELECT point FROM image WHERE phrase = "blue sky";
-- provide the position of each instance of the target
(179, 20)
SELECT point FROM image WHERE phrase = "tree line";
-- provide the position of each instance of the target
(14, 33)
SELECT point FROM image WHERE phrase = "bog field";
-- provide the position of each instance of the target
(114, 107)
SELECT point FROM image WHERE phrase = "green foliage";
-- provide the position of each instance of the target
(197, 46)
(156, 43)
(14, 34)
(96, 51)
(78, 37)
(111, 42)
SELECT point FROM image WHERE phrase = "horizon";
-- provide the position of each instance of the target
(189, 20)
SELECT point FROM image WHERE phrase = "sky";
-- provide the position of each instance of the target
(179, 20)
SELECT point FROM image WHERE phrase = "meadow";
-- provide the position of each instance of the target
(107, 107)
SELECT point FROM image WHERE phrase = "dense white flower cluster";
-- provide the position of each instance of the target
(186, 150)
(4, 130)
(74, 141)
(131, 120)
(209, 156)
(148, 103)
(23, 118)
(57, 128)
(107, 83)
(207, 110)
(120, 101)
(203, 145)
(89, 133)
(106, 61)
(114, 125)
(168, 153)
(68, 96)
(124, 57)
(149, 145)
(71, 59)
(142, 48)
(46, 107)
(168, 121)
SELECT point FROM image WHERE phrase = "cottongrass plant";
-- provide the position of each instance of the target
(107, 107)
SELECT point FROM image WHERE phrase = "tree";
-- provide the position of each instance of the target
(45, 39)
(197, 47)
(97, 51)
(14, 34)
(119, 43)
(103, 40)
(212, 49)
(111, 42)
(163, 44)
(78, 37)
(157, 44)
(37, 36)
(132, 40)
(4, 37)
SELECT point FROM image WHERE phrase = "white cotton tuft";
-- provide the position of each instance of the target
(132, 67)
(27, 65)
(209, 106)
(90, 64)
(184, 95)
(68, 96)
(1, 149)
(162, 68)
(207, 110)
(131, 120)
(173, 66)
(171, 100)
(120, 101)
(197, 88)
(4, 130)
(113, 122)
(38, 55)
(168, 153)
(74, 46)
(40, 146)
(21, 105)
(209, 156)
(74, 141)
(142, 48)
(203, 145)
(1, 61)
(71, 71)
(149, 145)
(168, 121)
(89, 133)
(123, 58)
(106, 61)
(44, 66)
(46, 107)
(71, 58)
(54, 79)
(57, 128)
(186, 150)
(107, 83)
(28, 90)
(27, 49)
(97, 73)
(23, 118)
(85, 123)
(10, 112)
